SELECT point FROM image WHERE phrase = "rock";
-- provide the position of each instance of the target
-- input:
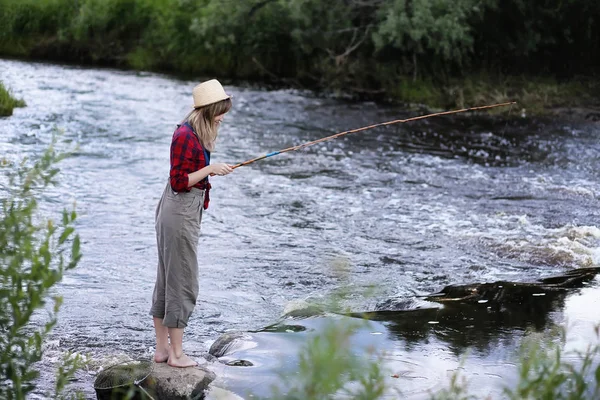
(514, 293)
(225, 344)
(146, 379)
(169, 383)
(239, 363)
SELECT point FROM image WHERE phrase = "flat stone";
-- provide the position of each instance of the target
(170, 383)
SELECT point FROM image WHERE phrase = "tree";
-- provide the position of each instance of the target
(429, 30)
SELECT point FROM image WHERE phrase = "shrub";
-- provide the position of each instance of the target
(34, 254)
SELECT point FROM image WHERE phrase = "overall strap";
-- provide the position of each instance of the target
(206, 161)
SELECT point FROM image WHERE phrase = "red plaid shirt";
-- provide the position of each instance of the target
(187, 156)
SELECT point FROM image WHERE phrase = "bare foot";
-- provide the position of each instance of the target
(182, 361)
(161, 356)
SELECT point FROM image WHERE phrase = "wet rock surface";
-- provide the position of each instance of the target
(226, 343)
(520, 293)
(153, 380)
(179, 383)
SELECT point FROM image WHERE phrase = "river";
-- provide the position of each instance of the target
(406, 209)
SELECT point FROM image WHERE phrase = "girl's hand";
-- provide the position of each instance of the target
(220, 169)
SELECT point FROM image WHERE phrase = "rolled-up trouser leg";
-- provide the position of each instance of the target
(178, 219)
(158, 296)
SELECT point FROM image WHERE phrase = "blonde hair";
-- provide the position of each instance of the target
(202, 120)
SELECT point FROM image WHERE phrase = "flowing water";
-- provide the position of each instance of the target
(408, 208)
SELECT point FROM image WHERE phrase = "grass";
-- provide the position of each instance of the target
(535, 96)
(546, 372)
(8, 102)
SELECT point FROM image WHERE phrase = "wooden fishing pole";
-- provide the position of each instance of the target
(337, 135)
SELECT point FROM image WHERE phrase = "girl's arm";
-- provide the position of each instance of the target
(197, 176)
(213, 169)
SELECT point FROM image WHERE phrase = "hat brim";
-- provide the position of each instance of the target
(212, 102)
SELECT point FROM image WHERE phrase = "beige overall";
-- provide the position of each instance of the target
(178, 218)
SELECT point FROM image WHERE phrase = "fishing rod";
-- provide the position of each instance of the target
(364, 128)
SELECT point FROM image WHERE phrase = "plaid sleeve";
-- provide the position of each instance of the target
(181, 153)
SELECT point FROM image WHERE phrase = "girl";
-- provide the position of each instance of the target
(178, 218)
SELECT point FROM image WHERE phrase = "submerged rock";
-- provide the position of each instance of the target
(217, 393)
(226, 343)
(239, 363)
(514, 293)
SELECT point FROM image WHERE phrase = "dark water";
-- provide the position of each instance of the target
(409, 208)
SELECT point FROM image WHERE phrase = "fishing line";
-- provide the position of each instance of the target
(364, 128)
(509, 115)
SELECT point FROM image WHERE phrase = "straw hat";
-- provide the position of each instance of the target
(209, 92)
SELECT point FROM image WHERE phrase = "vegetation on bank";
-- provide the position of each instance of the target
(442, 53)
(34, 254)
(7, 102)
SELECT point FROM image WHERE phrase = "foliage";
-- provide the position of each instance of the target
(547, 374)
(539, 37)
(365, 47)
(457, 390)
(110, 27)
(34, 255)
(7, 102)
(427, 30)
(328, 367)
(68, 366)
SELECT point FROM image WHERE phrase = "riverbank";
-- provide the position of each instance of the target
(379, 51)
(7, 102)
(536, 96)
(575, 100)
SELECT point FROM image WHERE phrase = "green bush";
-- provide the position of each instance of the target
(435, 35)
(335, 44)
(34, 255)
